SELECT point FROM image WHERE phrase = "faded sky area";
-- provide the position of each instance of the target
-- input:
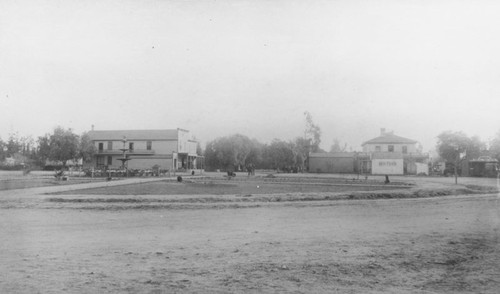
(252, 67)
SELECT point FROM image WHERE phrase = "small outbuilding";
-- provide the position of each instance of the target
(336, 162)
(484, 166)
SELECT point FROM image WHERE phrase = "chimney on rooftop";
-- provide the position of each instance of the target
(92, 127)
(382, 131)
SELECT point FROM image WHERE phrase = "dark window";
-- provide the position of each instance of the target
(405, 149)
(391, 148)
(110, 160)
(101, 146)
(377, 148)
(131, 146)
(149, 145)
(100, 160)
(110, 145)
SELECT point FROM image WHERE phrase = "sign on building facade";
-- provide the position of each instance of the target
(387, 166)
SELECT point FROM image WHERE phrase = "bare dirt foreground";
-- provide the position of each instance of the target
(423, 245)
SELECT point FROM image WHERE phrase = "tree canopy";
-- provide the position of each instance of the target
(451, 145)
(336, 147)
(495, 146)
(229, 152)
(64, 145)
(237, 152)
(456, 146)
(20, 148)
(312, 133)
(86, 148)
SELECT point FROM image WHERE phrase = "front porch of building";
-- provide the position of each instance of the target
(187, 162)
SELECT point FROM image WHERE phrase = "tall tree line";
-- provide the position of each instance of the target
(238, 152)
(60, 146)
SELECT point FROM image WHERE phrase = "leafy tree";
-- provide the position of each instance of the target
(241, 147)
(456, 147)
(476, 148)
(13, 145)
(199, 151)
(451, 145)
(494, 149)
(336, 147)
(86, 148)
(62, 145)
(43, 150)
(312, 133)
(210, 154)
(26, 146)
(280, 155)
(228, 152)
(19, 148)
(3, 149)
(254, 157)
(302, 147)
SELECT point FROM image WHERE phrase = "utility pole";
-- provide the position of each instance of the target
(458, 159)
(457, 155)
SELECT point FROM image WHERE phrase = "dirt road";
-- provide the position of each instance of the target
(438, 245)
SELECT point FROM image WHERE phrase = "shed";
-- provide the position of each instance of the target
(335, 162)
(484, 166)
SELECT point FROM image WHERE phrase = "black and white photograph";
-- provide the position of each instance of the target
(250, 146)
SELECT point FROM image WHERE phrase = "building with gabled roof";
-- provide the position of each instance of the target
(388, 142)
(394, 155)
(390, 138)
(169, 149)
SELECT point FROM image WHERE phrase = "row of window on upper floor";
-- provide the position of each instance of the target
(149, 145)
(390, 148)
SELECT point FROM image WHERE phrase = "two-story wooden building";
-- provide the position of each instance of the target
(395, 155)
(169, 149)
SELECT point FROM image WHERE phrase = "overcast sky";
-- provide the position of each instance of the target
(252, 67)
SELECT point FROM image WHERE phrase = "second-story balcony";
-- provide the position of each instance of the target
(416, 155)
(130, 152)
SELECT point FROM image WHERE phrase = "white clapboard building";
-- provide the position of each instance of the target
(394, 155)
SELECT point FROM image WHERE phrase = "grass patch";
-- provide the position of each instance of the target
(238, 187)
(13, 184)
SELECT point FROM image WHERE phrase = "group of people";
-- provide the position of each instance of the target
(251, 169)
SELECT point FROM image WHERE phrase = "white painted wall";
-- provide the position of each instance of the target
(191, 147)
(422, 168)
(387, 166)
(183, 141)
